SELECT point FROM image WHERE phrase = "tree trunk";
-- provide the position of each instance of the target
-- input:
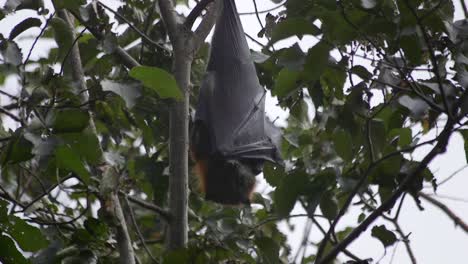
(179, 147)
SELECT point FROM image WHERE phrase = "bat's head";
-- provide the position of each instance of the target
(230, 181)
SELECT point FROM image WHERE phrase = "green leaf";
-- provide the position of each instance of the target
(362, 72)
(286, 82)
(404, 136)
(69, 160)
(177, 256)
(273, 174)
(412, 48)
(69, 4)
(3, 211)
(10, 253)
(293, 27)
(286, 194)
(96, 228)
(316, 61)
(28, 237)
(378, 136)
(268, 249)
(86, 145)
(329, 205)
(63, 37)
(343, 145)
(129, 91)
(158, 80)
(14, 5)
(18, 149)
(385, 236)
(11, 53)
(69, 120)
(416, 106)
(24, 25)
(293, 58)
(464, 133)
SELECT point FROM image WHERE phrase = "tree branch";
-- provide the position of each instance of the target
(133, 27)
(169, 18)
(458, 221)
(405, 240)
(163, 213)
(206, 24)
(119, 52)
(124, 242)
(196, 11)
(138, 231)
(465, 9)
(438, 148)
(109, 183)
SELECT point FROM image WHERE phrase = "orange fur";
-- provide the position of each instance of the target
(201, 170)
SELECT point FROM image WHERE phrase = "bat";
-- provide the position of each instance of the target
(231, 138)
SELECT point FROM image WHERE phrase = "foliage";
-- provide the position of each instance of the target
(381, 75)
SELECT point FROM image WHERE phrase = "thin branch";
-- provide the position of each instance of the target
(196, 12)
(263, 11)
(448, 197)
(12, 116)
(465, 9)
(169, 18)
(458, 221)
(133, 27)
(62, 67)
(38, 36)
(452, 175)
(256, 41)
(9, 95)
(333, 240)
(206, 24)
(124, 242)
(405, 241)
(138, 231)
(257, 14)
(119, 52)
(432, 58)
(163, 213)
(436, 150)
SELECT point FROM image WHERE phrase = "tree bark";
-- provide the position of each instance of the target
(124, 242)
(179, 147)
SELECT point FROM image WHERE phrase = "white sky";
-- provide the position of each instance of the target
(434, 238)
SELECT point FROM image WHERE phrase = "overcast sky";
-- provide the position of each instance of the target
(434, 237)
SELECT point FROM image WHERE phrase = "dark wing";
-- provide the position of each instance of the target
(232, 102)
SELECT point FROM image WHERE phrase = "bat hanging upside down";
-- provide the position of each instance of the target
(231, 138)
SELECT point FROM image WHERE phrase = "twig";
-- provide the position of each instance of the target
(452, 175)
(38, 36)
(206, 24)
(465, 9)
(169, 18)
(163, 213)
(120, 53)
(12, 116)
(138, 231)
(257, 14)
(139, 32)
(263, 11)
(432, 58)
(62, 67)
(436, 150)
(405, 241)
(196, 11)
(458, 221)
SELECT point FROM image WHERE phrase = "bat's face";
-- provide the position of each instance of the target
(229, 182)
